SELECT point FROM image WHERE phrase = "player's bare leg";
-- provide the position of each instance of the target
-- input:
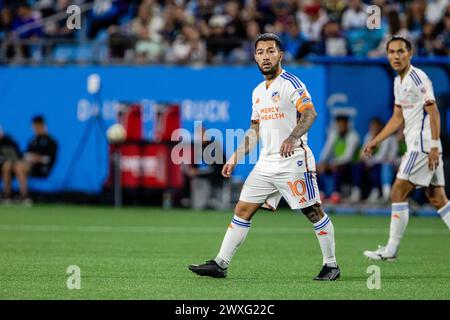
(20, 171)
(399, 220)
(236, 233)
(438, 199)
(324, 231)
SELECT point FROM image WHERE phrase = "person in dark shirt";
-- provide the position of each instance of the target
(10, 163)
(40, 155)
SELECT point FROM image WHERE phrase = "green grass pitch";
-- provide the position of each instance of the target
(143, 253)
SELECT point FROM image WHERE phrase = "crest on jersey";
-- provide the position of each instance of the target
(423, 90)
(275, 96)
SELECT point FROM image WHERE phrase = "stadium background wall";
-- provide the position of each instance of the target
(218, 96)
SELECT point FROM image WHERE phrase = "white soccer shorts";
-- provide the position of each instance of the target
(414, 168)
(299, 189)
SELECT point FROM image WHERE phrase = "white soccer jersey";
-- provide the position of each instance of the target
(278, 108)
(411, 94)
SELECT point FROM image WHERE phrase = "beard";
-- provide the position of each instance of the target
(270, 72)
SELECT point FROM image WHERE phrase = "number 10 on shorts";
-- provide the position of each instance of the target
(298, 189)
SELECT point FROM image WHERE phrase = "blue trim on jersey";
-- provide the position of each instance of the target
(290, 80)
(297, 80)
(421, 130)
(416, 76)
(323, 224)
(240, 223)
(289, 76)
(414, 79)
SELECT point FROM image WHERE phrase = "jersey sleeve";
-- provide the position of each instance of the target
(255, 113)
(396, 99)
(300, 98)
(426, 90)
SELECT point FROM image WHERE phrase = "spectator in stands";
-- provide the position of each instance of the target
(105, 13)
(218, 44)
(355, 16)
(416, 18)
(311, 20)
(188, 47)
(246, 51)
(334, 9)
(6, 26)
(40, 155)
(333, 42)
(337, 157)
(435, 10)
(24, 18)
(10, 165)
(6, 21)
(282, 10)
(295, 44)
(442, 44)
(174, 17)
(426, 43)
(147, 27)
(375, 175)
(235, 26)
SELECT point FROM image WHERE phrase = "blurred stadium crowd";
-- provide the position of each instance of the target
(214, 31)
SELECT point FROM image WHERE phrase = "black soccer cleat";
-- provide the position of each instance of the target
(328, 274)
(210, 269)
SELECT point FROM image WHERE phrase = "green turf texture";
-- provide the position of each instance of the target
(143, 253)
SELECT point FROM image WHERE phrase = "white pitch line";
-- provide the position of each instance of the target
(199, 230)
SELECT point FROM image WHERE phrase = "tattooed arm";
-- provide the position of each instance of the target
(303, 125)
(250, 141)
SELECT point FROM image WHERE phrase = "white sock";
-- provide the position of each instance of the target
(445, 213)
(399, 221)
(234, 237)
(325, 234)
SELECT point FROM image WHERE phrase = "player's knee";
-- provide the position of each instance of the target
(6, 167)
(19, 168)
(398, 195)
(243, 212)
(436, 198)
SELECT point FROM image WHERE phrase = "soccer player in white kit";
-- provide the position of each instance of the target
(282, 113)
(422, 165)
